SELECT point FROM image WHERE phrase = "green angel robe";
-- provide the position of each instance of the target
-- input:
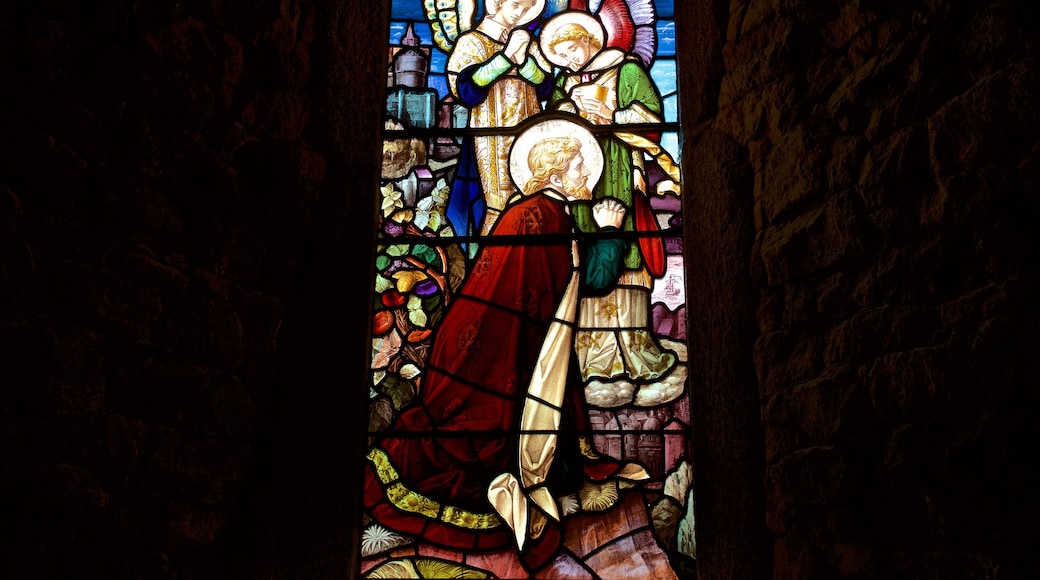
(637, 101)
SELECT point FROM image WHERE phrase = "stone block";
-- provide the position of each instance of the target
(133, 210)
(793, 173)
(786, 357)
(987, 124)
(101, 300)
(191, 468)
(849, 23)
(970, 196)
(845, 157)
(896, 171)
(160, 392)
(771, 306)
(796, 558)
(918, 381)
(931, 269)
(824, 408)
(841, 294)
(281, 114)
(97, 441)
(858, 559)
(757, 58)
(195, 45)
(873, 332)
(812, 241)
(823, 475)
(201, 327)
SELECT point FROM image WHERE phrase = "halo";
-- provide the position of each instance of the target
(555, 127)
(583, 19)
(533, 12)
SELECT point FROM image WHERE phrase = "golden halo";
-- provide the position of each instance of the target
(554, 127)
(583, 19)
(533, 12)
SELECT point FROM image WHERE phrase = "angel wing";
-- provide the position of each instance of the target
(630, 25)
(448, 19)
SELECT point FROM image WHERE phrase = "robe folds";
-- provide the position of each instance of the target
(636, 100)
(615, 338)
(428, 473)
(483, 186)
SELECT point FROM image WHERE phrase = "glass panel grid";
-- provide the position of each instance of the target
(528, 346)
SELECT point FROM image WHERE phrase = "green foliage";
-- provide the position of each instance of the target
(428, 255)
(398, 250)
(400, 391)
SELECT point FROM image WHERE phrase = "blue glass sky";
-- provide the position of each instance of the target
(404, 10)
(407, 10)
(413, 9)
(665, 35)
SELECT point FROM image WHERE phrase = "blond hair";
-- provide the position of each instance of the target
(498, 4)
(573, 31)
(547, 158)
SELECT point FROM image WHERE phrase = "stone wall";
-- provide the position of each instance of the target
(174, 183)
(893, 148)
(180, 184)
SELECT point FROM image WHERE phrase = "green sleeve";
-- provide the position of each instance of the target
(635, 86)
(558, 95)
(531, 71)
(489, 72)
(602, 261)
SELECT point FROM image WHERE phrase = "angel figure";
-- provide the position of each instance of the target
(607, 86)
(496, 70)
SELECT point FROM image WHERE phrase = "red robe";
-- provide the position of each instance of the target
(437, 459)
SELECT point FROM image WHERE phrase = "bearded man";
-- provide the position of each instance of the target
(452, 469)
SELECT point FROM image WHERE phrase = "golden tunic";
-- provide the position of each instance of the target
(511, 99)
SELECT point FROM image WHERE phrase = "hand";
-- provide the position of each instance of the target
(516, 46)
(595, 100)
(594, 106)
(638, 180)
(608, 213)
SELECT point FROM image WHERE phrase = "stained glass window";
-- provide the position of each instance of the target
(529, 403)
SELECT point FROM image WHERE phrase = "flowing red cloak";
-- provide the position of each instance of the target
(459, 432)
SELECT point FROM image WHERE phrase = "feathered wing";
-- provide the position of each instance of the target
(448, 19)
(630, 25)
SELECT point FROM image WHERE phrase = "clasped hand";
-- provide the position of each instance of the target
(608, 213)
(517, 45)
